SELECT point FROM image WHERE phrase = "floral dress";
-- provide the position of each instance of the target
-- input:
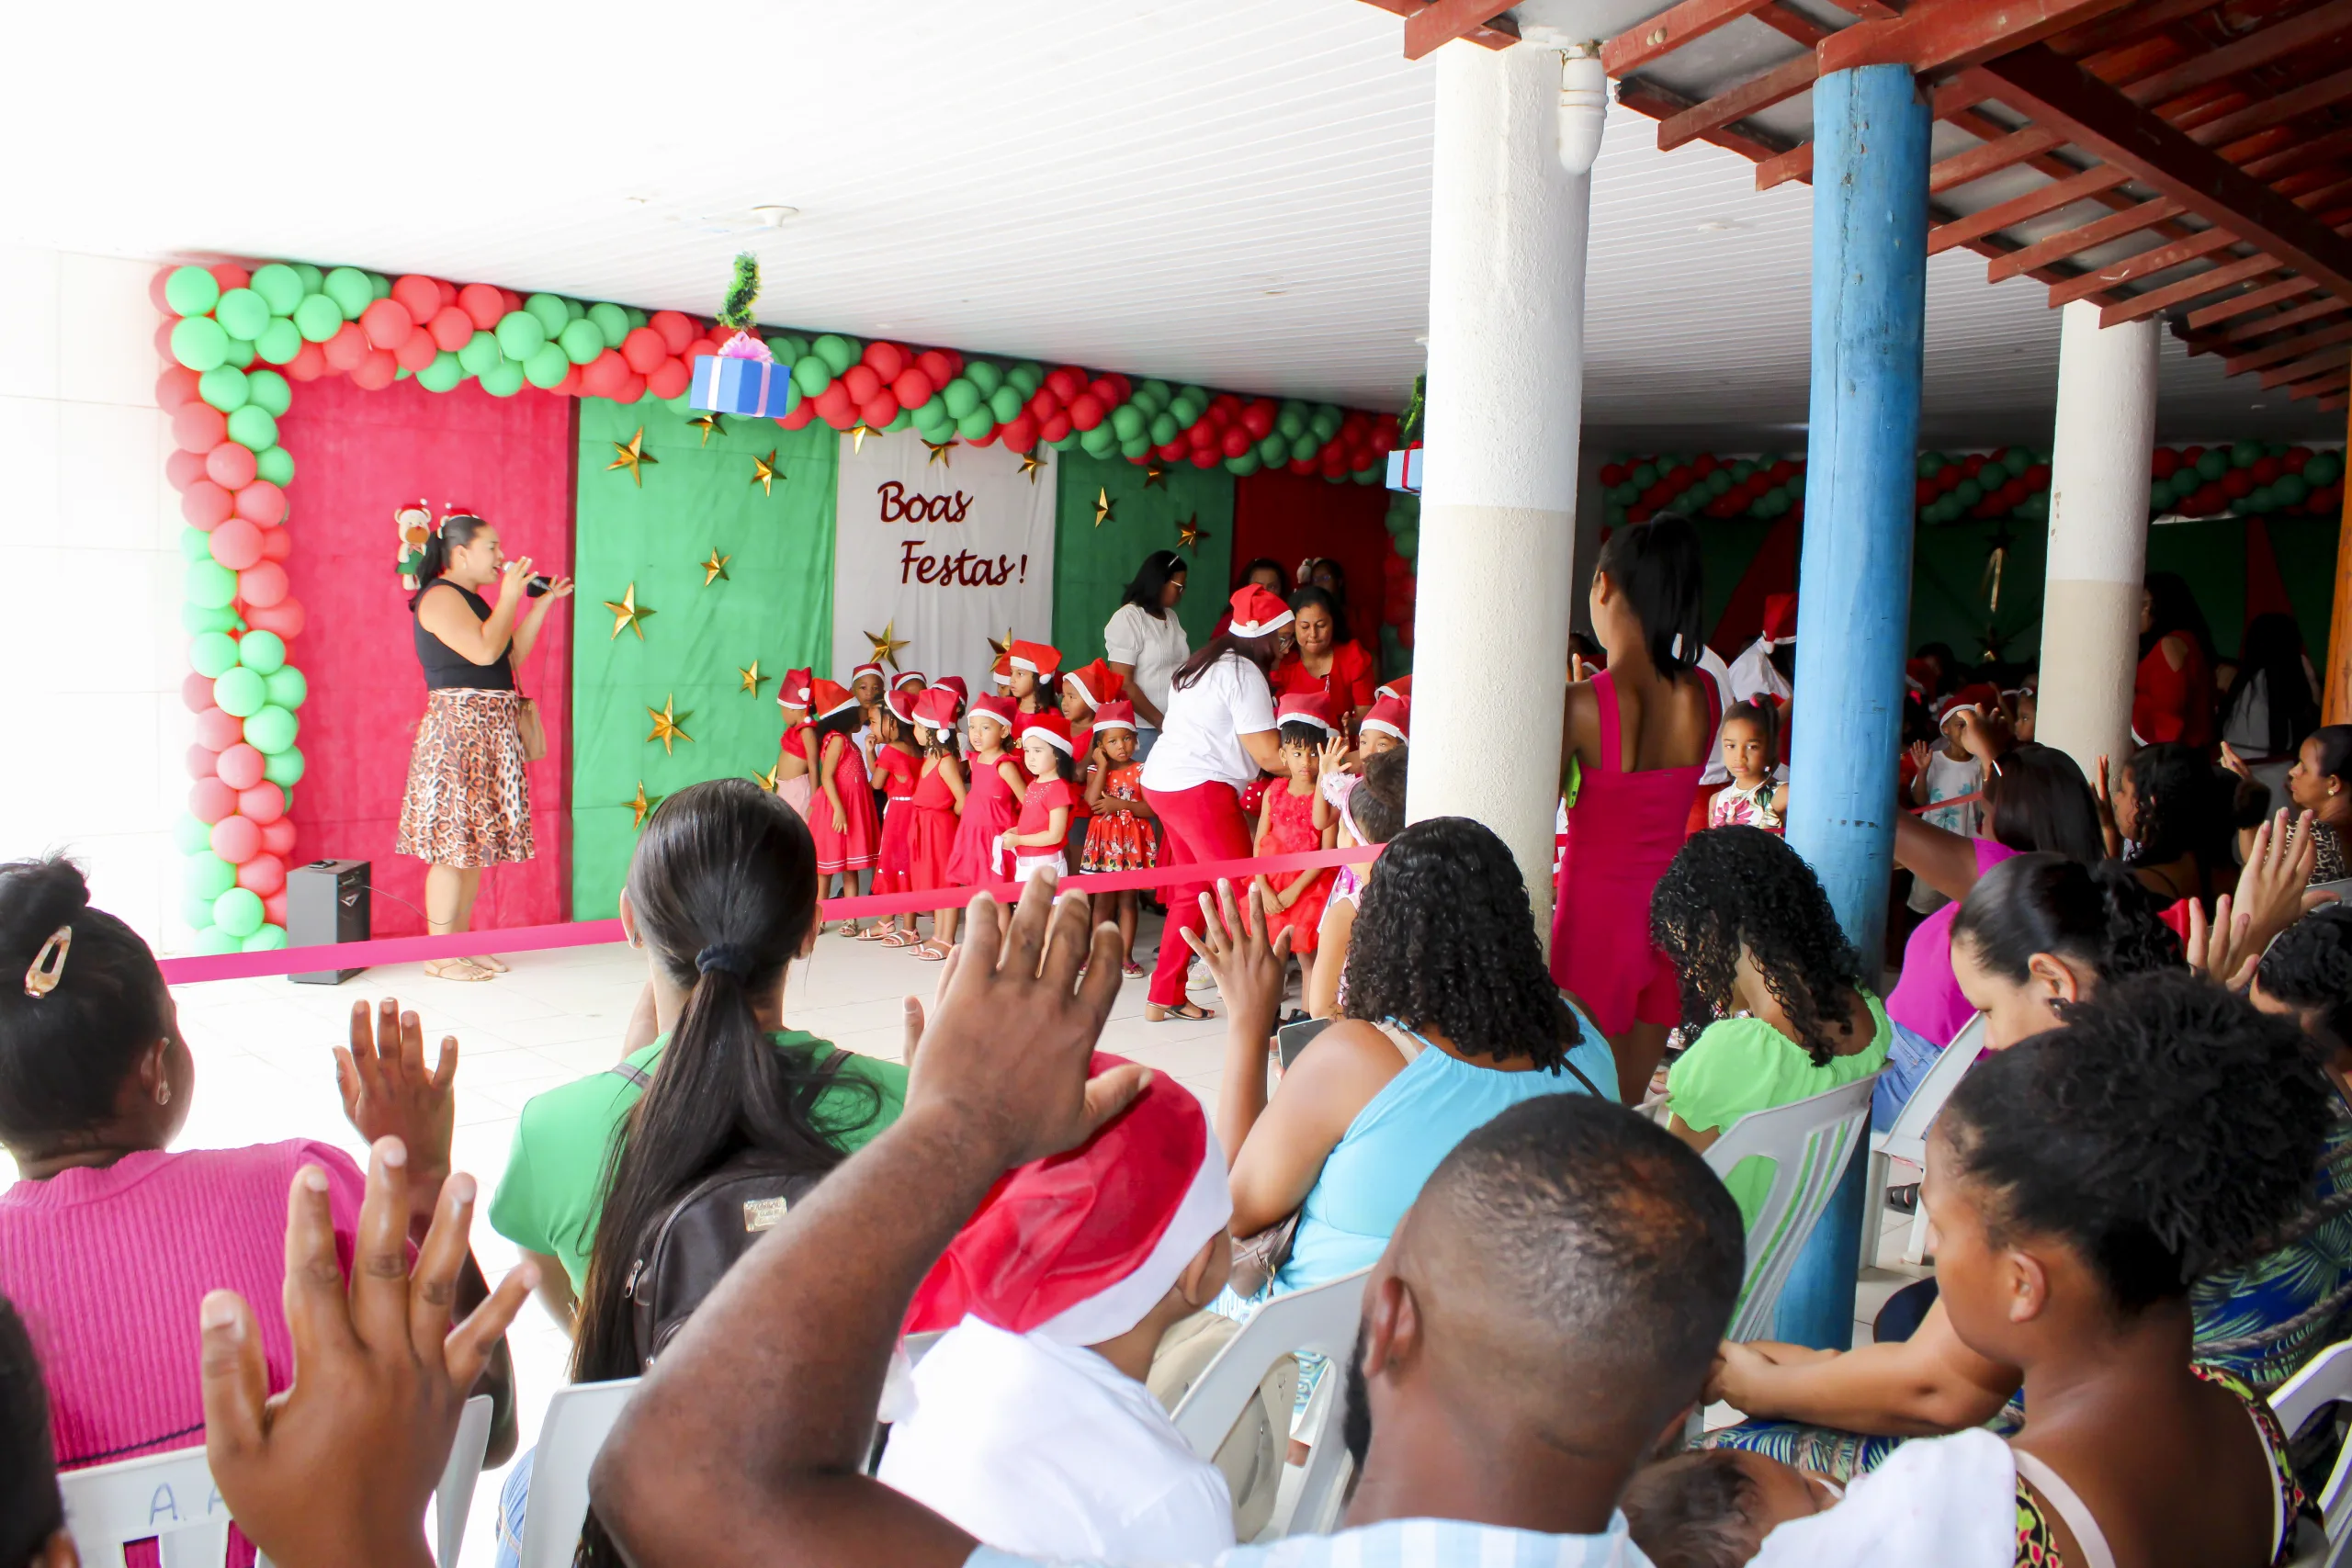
(1120, 841)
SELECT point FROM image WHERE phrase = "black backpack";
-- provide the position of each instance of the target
(686, 1251)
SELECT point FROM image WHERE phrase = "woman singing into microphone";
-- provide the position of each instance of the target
(468, 801)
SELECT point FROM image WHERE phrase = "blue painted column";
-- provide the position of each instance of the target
(1870, 277)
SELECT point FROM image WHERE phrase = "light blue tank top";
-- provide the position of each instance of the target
(1375, 1172)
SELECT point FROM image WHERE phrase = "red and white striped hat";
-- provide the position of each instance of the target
(1389, 715)
(1256, 613)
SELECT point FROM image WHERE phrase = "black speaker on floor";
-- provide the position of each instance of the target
(326, 901)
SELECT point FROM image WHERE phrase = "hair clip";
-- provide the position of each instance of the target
(49, 964)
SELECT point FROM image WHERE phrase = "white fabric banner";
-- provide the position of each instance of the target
(941, 556)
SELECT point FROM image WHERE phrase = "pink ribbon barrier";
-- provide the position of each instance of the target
(592, 933)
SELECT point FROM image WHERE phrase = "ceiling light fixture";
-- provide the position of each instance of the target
(772, 216)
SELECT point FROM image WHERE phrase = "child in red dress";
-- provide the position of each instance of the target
(1295, 817)
(1119, 836)
(933, 813)
(898, 766)
(841, 810)
(1035, 842)
(998, 784)
(1029, 676)
(792, 759)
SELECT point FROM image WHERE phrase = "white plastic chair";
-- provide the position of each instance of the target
(1323, 1320)
(1907, 1139)
(579, 1419)
(2325, 1379)
(170, 1499)
(1809, 1144)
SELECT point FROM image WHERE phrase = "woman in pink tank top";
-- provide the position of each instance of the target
(1641, 732)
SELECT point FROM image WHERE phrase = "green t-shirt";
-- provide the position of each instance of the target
(549, 1200)
(1743, 1065)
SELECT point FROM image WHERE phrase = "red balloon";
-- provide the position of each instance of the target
(569, 386)
(199, 427)
(376, 372)
(670, 379)
(1382, 442)
(216, 730)
(277, 838)
(201, 763)
(861, 382)
(510, 300)
(210, 801)
(417, 350)
(1202, 436)
(1066, 382)
(273, 907)
(2266, 470)
(834, 401)
(162, 300)
(347, 350)
(885, 359)
(229, 274)
(386, 324)
(239, 767)
(1056, 428)
(881, 410)
(2295, 458)
(261, 803)
(632, 388)
(446, 289)
(236, 839)
(1205, 457)
(206, 506)
(261, 503)
(604, 376)
(2237, 484)
(644, 350)
(701, 347)
(174, 388)
(286, 617)
(1237, 441)
(262, 586)
(840, 421)
(802, 413)
(452, 329)
(417, 295)
(265, 873)
(276, 544)
(230, 466)
(1086, 410)
(308, 365)
(162, 340)
(481, 304)
(1175, 450)
(673, 328)
(196, 691)
(913, 388)
(1020, 432)
(183, 468)
(236, 544)
(1043, 404)
(936, 366)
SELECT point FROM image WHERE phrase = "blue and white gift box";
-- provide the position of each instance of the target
(727, 385)
(1404, 466)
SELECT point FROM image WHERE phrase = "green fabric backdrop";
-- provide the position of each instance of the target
(1093, 566)
(775, 604)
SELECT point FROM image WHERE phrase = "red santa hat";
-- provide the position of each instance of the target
(956, 685)
(794, 691)
(909, 678)
(901, 704)
(864, 669)
(1400, 688)
(1115, 713)
(1389, 715)
(827, 698)
(1305, 707)
(1256, 613)
(1051, 727)
(935, 708)
(1001, 709)
(1037, 658)
(1078, 1247)
(1779, 620)
(1096, 682)
(1002, 670)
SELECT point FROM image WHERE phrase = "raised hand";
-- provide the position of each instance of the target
(1248, 967)
(1333, 756)
(1920, 753)
(387, 1093)
(2236, 763)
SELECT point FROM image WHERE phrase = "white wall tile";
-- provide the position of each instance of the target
(28, 327)
(106, 490)
(30, 442)
(105, 325)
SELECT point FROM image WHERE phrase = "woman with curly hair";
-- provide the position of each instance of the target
(1771, 991)
(2083, 1182)
(1449, 1018)
(2168, 816)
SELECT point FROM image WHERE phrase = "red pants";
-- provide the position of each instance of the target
(1196, 826)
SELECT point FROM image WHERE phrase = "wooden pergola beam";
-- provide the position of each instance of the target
(1779, 85)
(2105, 230)
(2305, 369)
(1942, 34)
(1664, 103)
(1440, 22)
(2292, 348)
(2312, 29)
(1670, 29)
(2265, 113)
(2018, 208)
(2253, 299)
(2149, 301)
(2277, 321)
(2146, 264)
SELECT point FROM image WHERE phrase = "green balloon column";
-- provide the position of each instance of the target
(1397, 567)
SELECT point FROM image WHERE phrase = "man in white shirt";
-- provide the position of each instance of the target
(1031, 1425)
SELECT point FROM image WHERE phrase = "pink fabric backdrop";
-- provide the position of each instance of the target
(357, 454)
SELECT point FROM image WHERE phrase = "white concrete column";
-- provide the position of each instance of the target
(2099, 535)
(1507, 221)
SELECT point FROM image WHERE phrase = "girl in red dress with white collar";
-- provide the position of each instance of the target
(1297, 818)
(1035, 842)
(898, 767)
(841, 807)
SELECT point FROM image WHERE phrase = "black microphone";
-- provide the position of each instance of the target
(538, 582)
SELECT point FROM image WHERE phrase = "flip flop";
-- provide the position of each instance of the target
(851, 930)
(1131, 970)
(1190, 1012)
(461, 969)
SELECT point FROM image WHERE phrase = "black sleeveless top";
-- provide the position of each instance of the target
(445, 667)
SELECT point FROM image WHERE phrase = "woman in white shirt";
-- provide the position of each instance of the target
(1217, 734)
(1145, 642)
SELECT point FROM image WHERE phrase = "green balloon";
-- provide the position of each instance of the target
(241, 353)
(1099, 441)
(210, 584)
(280, 342)
(238, 911)
(898, 422)
(1140, 446)
(1186, 412)
(2259, 500)
(269, 391)
(1290, 423)
(312, 278)
(1243, 465)
(197, 619)
(975, 424)
(520, 334)
(549, 309)
(191, 835)
(269, 939)
(224, 388)
(2212, 464)
(1273, 448)
(838, 353)
(1163, 428)
(2245, 454)
(253, 427)
(285, 685)
(1718, 483)
(276, 465)
(573, 310)
(1306, 447)
(1028, 376)
(269, 729)
(199, 342)
(784, 348)
(985, 375)
(211, 940)
(1995, 474)
(280, 286)
(241, 313)
(1004, 403)
(1128, 422)
(443, 375)
(581, 341)
(194, 544)
(261, 652)
(206, 874)
(2292, 490)
(547, 367)
(212, 654)
(191, 291)
(283, 769)
(962, 397)
(318, 318)
(503, 379)
(611, 320)
(195, 912)
(812, 376)
(481, 352)
(240, 692)
(349, 289)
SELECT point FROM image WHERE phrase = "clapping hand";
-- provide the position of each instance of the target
(1333, 758)
(2272, 894)
(1249, 969)
(1920, 753)
(387, 1093)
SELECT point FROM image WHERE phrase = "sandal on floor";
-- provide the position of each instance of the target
(874, 934)
(1190, 1012)
(850, 928)
(929, 952)
(464, 969)
(1131, 970)
(490, 962)
(901, 938)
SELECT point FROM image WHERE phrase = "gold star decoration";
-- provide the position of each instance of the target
(1032, 465)
(710, 424)
(1155, 472)
(1103, 505)
(939, 451)
(767, 781)
(1189, 532)
(886, 646)
(631, 455)
(665, 725)
(857, 434)
(764, 473)
(1002, 648)
(640, 805)
(715, 568)
(627, 613)
(752, 676)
